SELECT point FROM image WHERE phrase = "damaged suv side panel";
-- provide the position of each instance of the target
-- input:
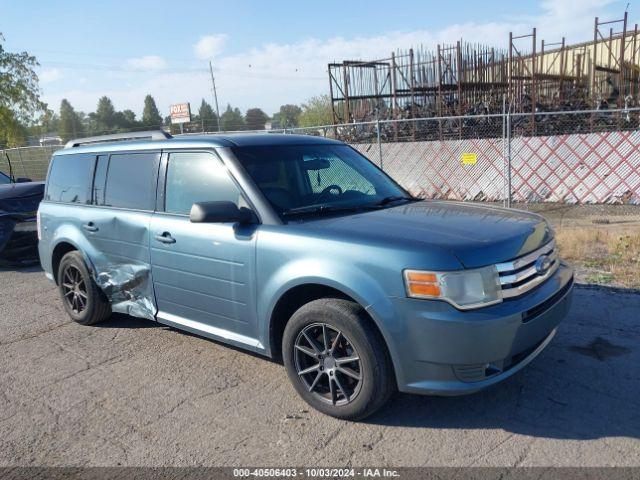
(114, 241)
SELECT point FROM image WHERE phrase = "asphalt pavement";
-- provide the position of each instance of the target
(133, 392)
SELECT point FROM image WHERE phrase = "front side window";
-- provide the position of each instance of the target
(70, 178)
(4, 179)
(302, 179)
(197, 177)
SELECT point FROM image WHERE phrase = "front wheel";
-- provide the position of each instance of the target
(336, 360)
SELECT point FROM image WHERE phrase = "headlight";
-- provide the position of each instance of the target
(464, 289)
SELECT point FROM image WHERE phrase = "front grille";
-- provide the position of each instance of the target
(525, 273)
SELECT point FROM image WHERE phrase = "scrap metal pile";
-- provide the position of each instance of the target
(468, 79)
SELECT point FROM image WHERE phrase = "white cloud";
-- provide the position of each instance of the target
(50, 75)
(272, 74)
(209, 46)
(146, 63)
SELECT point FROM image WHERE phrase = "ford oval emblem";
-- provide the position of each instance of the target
(543, 263)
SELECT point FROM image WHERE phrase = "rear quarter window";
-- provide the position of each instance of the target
(70, 178)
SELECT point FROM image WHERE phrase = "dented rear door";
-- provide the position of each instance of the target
(124, 190)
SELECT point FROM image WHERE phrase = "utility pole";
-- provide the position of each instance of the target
(215, 94)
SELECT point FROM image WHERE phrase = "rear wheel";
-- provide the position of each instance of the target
(336, 360)
(83, 300)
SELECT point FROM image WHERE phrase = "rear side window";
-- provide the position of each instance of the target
(197, 177)
(130, 181)
(70, 178)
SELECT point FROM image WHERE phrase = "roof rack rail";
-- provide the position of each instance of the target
(146, 135)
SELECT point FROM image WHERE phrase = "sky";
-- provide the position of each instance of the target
(264, 53)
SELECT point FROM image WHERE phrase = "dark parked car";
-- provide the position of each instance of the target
(19, 200)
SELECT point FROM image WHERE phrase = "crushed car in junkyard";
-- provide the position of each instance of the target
(19, 200)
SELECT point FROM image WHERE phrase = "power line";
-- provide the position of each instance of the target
(226, 73)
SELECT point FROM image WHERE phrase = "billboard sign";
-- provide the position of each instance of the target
(180, 113)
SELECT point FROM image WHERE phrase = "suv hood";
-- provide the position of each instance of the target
(476, 235)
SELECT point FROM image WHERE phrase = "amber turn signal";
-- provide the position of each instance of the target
(422, 284)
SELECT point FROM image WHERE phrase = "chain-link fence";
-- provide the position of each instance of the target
(585, 157)
(580, 169)
(27, 162)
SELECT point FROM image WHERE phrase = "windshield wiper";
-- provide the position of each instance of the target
(391, 198)
(314, 209)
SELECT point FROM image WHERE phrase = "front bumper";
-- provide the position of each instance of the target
(438, 350)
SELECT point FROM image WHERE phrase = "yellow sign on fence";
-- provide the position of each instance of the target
(469, 158)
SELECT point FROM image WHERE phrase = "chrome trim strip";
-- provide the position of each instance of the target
(516, 277)
(219, 333)
(527, 259)
(517, 291)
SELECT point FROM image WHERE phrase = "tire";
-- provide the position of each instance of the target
(83, 300)
(359, 387)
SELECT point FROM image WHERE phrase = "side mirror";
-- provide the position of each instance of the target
(219, 212)
(23, 180)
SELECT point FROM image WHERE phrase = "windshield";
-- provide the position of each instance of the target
(4, 179)
(312, 179)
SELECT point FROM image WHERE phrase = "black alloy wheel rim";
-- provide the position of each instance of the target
(328, 364)
(74, 289)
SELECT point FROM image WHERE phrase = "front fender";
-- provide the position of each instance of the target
(340, 276)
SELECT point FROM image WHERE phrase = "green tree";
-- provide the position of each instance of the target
(124, 121)
(317, 111)
(19, 95)
(69, 125)
(232, 119)
(105, 115)
(129, 116)
(207, 117)
(12, 132)
(287, 117)
(49, 121)
(255, 119)
(151, 117)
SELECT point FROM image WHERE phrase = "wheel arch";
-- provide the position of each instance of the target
(297, 296)
(60, 250)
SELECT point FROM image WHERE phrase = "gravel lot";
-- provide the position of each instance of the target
(130, 392)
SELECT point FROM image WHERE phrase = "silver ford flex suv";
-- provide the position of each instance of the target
(301, 249)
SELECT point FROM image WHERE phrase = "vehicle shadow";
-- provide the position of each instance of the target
(20, 267)
(585, 385)
(121, 320)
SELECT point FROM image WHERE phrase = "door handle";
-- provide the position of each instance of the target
(165, 238)
(90, 227)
